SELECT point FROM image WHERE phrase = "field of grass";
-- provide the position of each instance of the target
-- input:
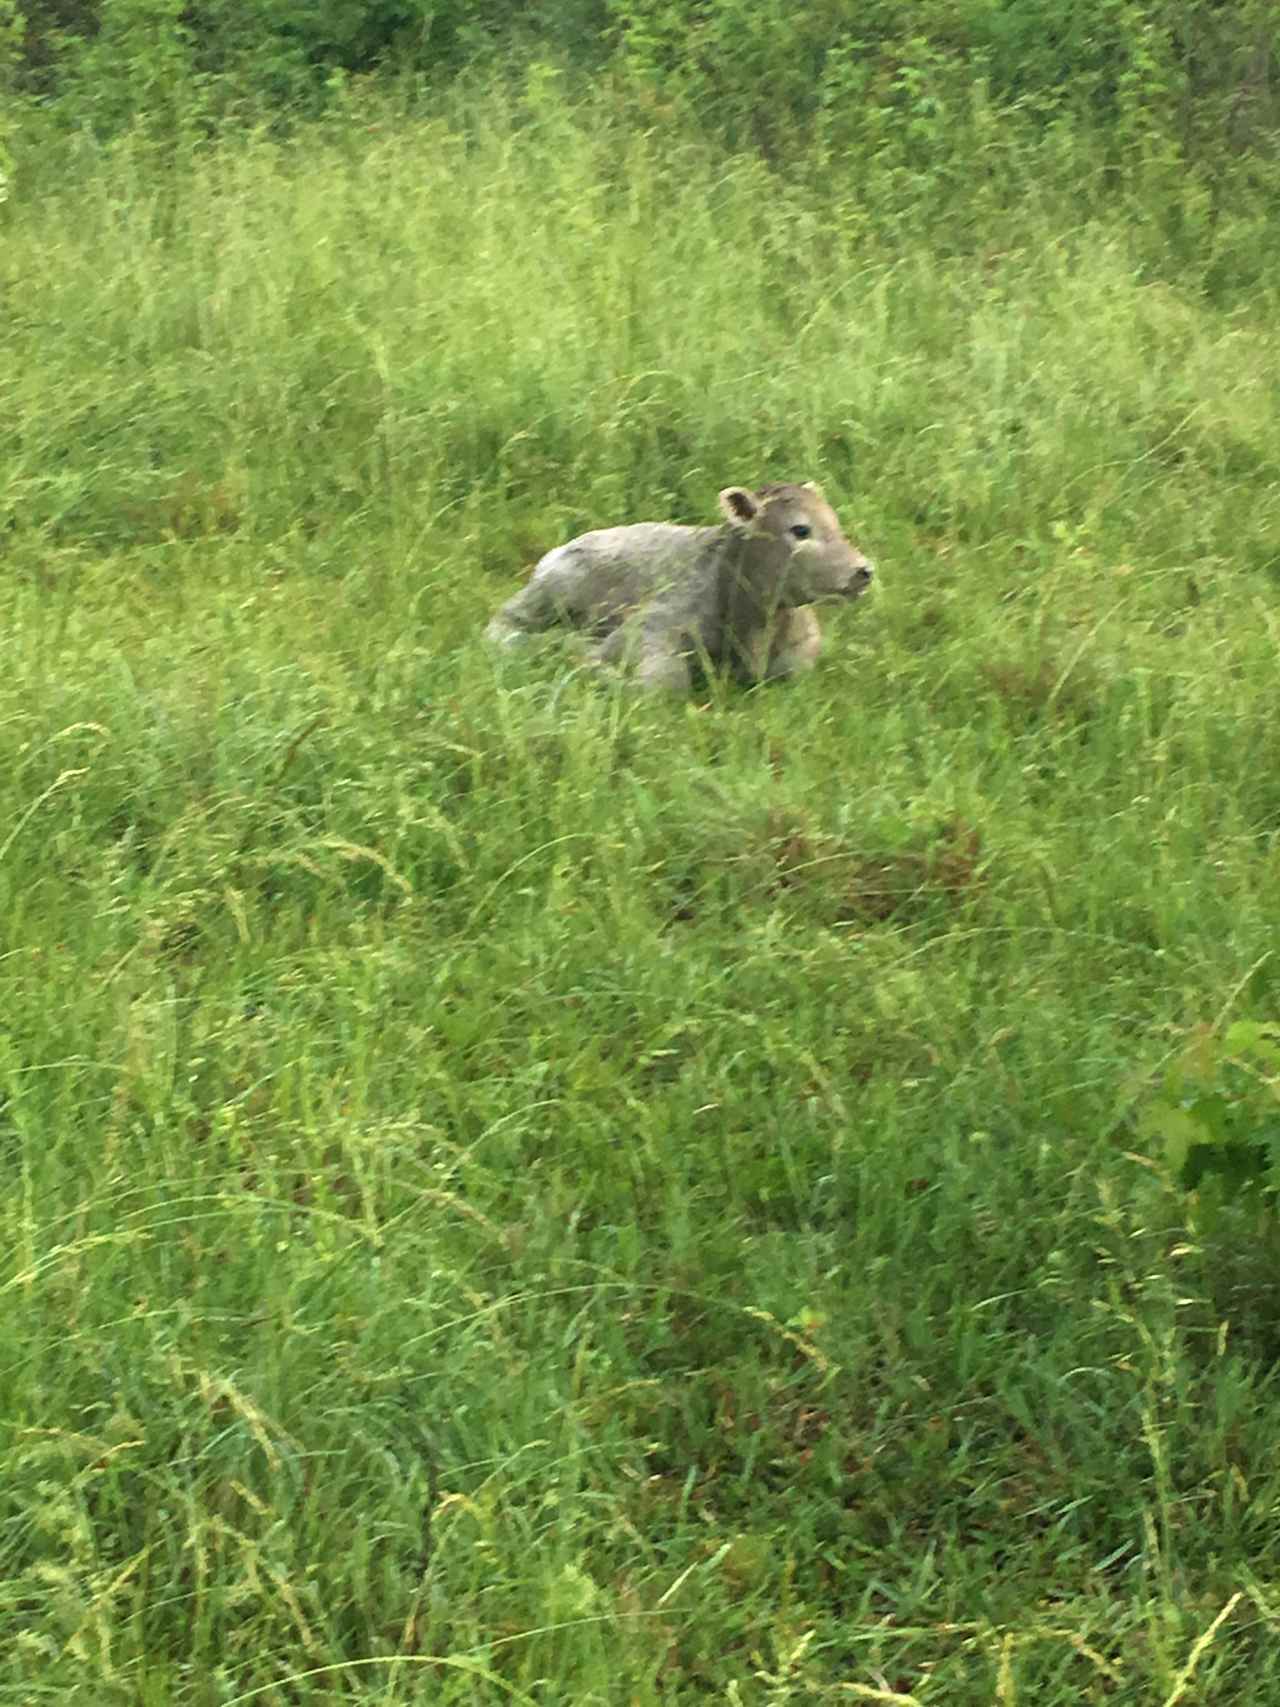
(516, 1192)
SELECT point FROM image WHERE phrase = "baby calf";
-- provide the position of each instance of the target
(661, 598)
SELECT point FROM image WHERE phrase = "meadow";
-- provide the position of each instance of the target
(517, 1191)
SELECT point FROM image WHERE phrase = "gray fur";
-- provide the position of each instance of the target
(660, 597)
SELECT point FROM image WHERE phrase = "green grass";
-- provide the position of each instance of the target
(516, 1192)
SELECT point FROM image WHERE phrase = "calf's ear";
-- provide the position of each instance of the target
(740, 506)
(812, 486)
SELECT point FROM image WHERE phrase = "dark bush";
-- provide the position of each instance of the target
(1174, 78)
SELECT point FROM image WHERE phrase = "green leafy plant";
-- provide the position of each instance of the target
(1217, 1111)
(134, 66)
(12, 30)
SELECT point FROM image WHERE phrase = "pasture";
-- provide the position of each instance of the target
(518, 1191)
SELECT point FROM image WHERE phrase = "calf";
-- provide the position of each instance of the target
(661, 598)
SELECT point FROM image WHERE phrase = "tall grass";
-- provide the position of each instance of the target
(514, 1192)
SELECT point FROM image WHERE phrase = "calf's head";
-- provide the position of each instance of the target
(792, 545)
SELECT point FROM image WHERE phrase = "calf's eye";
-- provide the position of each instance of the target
(801, 530)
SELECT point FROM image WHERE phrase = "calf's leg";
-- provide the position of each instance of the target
(794, 643)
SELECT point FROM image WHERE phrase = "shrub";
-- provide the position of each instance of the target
(12, 29)
(1157, 72)
(108, 61)
(1217, 1109)
(1173, 77)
